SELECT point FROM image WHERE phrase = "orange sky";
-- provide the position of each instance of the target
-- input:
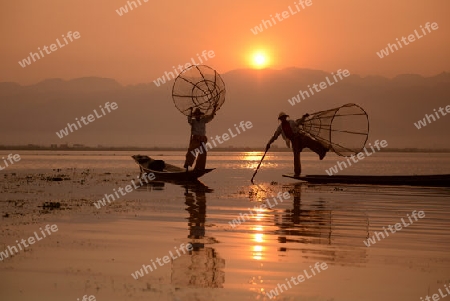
(147, 41)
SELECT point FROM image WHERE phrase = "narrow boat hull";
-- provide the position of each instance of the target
(169, 172)
(184, 175)
(414, 180)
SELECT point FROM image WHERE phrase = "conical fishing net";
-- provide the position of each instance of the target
(198, 86)
(344, 129)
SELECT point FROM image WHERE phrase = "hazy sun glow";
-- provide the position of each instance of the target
(260, 60)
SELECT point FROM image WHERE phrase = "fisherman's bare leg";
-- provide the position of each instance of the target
(200, 163)
(297, 148)
(315, 146)
(194, 145)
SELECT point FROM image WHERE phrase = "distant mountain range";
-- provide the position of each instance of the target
(147, 117)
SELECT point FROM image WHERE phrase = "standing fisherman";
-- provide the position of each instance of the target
(198, 136)
(290, 131)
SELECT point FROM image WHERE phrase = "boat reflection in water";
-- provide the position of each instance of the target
(302, 232)
(152, 185)
(202, 267)
(319, 230)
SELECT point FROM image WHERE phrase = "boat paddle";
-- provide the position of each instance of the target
(254, 174)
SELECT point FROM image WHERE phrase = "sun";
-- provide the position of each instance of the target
(260, 60)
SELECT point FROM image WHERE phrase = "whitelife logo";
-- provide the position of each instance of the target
(90, 118)
(371, 240)
(128, 188)
(318, 87)
(31, 240)
(284, 287)
(341, 164)
(35, 56)
(171, 75)
(124, 9)
(436, 297)
(411, 38)
(225, 137)
(430, 118)
(265, 24)
(183, 248)
(266, 205)
(86, 298)
(16, 158)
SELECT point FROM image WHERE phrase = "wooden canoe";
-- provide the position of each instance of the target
(442, 180)
(169, 172)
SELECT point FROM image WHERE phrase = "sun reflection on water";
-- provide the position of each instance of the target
(251, 159)
(258, 236)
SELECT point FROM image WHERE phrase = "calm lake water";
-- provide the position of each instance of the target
(99, 249)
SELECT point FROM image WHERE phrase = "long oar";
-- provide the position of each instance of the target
(254, 174)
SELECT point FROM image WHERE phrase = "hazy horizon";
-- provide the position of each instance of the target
(231, 71)
(54, 103)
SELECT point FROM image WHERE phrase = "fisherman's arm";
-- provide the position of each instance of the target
(190, 117)
(274, 137)
(301, 120)
(208, 118)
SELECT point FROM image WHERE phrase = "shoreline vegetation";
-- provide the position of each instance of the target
(218, 149)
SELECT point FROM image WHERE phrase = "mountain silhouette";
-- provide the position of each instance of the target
(146, 115)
